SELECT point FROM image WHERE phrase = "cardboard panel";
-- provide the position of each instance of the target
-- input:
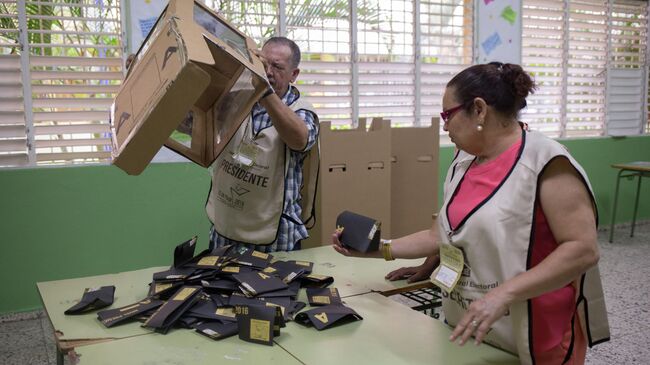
(414, 178)
(355, 175)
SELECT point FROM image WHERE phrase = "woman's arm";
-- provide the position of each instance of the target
(570, 214)
(416, 245)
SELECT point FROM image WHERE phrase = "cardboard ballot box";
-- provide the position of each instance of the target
(191, 84)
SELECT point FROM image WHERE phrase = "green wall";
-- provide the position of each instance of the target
(68, 222)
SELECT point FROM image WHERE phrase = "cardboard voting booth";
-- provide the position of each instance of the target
(393, 178)
(191, 84)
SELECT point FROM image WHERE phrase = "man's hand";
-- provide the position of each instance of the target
(258, 82)
(129, 61)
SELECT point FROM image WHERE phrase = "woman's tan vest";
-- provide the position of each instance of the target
(496, 241)
(245, 203)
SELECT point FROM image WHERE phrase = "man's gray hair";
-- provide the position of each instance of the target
(295, 50)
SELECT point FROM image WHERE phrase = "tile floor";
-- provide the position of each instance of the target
(27, 338)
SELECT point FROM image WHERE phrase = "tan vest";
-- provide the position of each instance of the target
(496, 242)
(246, 202)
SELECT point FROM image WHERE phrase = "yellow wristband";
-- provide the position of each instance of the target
(386, 250)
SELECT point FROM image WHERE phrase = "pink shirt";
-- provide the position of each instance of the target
(551, 312)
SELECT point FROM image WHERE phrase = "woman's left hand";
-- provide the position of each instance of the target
(480, 316)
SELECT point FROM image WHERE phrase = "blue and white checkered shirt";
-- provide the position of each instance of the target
(291, 229)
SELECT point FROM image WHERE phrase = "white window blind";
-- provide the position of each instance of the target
(13, 140)
(572, 48)
(362, 59)
(322, 30)
(71, 68)
(587, 58)
(386, 65)
(446, 48)
(543, 52)
(627, 91)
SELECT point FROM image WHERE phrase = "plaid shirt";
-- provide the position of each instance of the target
(291, 229)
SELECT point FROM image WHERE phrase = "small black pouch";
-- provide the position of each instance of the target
(291, 291)
(163, 289)
(316, 281)
(285, 270)
(111, 317)
(211, 259)
(325, 317)
(206, 308)
(256, 283)
(359, 232)
(184, 252)
(93, 298)
(168, 313)
(294, 308)
(217, 330)
(174, 274)
(306, 265)
(248, 257)
(233, 268)
(323, 296)
(221, 285)
(256, 323)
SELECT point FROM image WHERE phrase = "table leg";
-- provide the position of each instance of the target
(59, 356)
(611, 229)
(636, 204)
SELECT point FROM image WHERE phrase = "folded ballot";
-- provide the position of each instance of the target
(325, 317)
(93, 298)
(358, 232)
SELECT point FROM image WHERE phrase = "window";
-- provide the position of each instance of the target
(573, 49)
(366, 58)
(371, 66)
(60, 76)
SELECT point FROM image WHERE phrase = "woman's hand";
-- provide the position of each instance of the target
(415, 273)
(480, 316)
(340, 248)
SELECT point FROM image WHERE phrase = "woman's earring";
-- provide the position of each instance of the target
(479, 127)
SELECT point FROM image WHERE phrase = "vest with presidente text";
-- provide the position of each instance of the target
(496, 239)
(246, 202)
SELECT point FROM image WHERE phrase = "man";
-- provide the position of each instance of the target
(255, 197)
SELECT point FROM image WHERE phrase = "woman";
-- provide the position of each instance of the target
(520, 212)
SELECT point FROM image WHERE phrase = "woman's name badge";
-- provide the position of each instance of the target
(448, 272)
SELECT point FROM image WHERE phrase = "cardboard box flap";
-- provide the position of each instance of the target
(194, 80)
(203, 135)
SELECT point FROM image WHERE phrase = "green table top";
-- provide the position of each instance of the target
(180, 347)
(57, 296)
(642, 166)
(352, 275)
(390, 333)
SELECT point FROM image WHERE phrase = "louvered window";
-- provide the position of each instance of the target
(59, 76)
(575, 50)
(370, 66)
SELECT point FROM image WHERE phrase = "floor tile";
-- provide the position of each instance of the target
(35, 355)
(21, 334)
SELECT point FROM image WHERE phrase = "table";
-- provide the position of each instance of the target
(638, 168)
(390, 332)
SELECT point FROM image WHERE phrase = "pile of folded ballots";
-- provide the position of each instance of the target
(225, 292)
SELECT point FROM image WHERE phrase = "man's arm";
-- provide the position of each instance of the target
(291, 128)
